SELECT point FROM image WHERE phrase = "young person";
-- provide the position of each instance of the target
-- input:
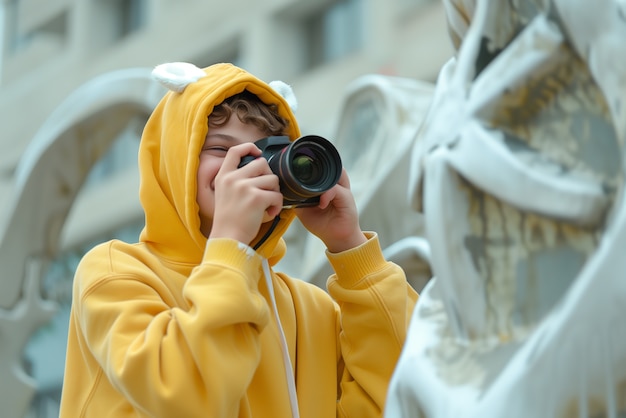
(192, 321)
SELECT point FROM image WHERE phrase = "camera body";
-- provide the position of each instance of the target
(306, 167)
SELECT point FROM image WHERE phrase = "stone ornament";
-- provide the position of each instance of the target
(519, 172)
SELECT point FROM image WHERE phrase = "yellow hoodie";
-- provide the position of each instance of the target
(175, 326)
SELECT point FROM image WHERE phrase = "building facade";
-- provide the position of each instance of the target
(75, 92)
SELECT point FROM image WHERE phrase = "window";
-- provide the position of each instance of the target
(334, 32)
(57, 26)
(16, 38)
(131, 15)
(21, 32)
(114, 20)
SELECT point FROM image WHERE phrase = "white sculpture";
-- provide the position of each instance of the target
(519, 171)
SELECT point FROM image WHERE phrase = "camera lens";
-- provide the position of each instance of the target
(307, 167)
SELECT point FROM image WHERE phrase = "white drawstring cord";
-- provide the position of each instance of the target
(291, 382)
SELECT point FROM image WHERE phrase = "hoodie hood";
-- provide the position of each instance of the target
(169, 156)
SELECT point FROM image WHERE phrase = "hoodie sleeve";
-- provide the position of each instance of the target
(171, 361)
(376, 304)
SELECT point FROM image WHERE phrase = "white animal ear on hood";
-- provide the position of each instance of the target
(176, 76)
(286, 92)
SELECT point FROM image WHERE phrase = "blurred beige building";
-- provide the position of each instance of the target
(50, 48)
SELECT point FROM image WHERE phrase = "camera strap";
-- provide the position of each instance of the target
(268, 233)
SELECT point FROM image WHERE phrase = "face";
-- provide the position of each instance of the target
(216, 144)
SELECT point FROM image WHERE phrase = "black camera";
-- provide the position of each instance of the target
(306, 167)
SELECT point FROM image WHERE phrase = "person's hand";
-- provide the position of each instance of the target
(245, 197)
(335, 220)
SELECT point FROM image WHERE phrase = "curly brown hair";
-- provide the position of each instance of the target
(250, 110)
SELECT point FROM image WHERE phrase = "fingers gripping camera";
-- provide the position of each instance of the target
(306, 167)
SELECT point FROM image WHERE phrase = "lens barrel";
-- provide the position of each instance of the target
(307, 167)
